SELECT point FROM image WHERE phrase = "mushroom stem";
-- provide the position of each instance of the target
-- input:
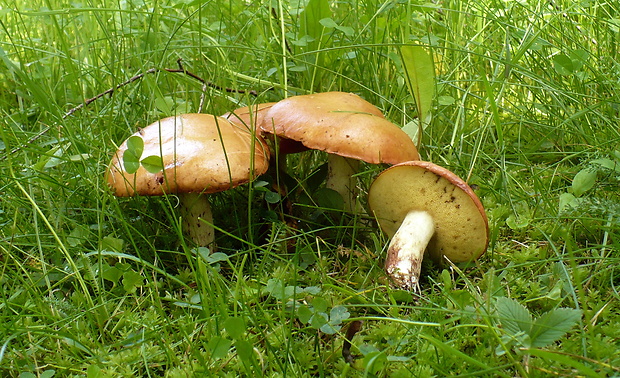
(341, 178)
(406, 249)
(197, 218)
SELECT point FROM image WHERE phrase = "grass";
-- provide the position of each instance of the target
(526, 110)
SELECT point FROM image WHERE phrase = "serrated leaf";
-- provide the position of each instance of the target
(131, 281)
(552, 325)
(420, 76)
(153, 163)
(583, 181)
(513, 316)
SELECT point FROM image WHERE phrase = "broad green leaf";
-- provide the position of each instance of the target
(310, 17)
(445, 100)
(165, 104)
(579, 58)
(328, 22)
(420, 76)
(328, 198)
(272, 197)
(244, 350)
(219, 347)
(135, 144)
(112, 274)
(516, 222)
(214, 258)
(153, 163)
(130, 162)
(552, 325)
(275, 288)
(583, 181)
(329, 328)
(48, 373)
(563, 65)
(513, 316)
(338, 314)
(319, 304)
(304, 314)
(235, 326)
(113, 244)
(94, 371)
(567, 200)
(318, 320)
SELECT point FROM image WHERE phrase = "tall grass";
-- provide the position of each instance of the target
(92, 285)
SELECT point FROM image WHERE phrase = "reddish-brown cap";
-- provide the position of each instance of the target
(461, 225)
(249, 116)
(201, 153)
(253, 116)
(340, 123)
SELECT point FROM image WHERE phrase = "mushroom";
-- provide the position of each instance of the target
(253, 117)
(345, 126)
(201, 154)
(424, 207)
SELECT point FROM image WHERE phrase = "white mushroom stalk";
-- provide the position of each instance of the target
(197, 218)
(427, 211)
(341, 178)
(406, 249)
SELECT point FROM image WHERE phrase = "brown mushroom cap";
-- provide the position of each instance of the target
(461, 225)
(253, 116)
(201, 153)
(340, 123)
(250, 116)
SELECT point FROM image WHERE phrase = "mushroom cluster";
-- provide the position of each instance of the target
(424, 209)
(347, 127)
